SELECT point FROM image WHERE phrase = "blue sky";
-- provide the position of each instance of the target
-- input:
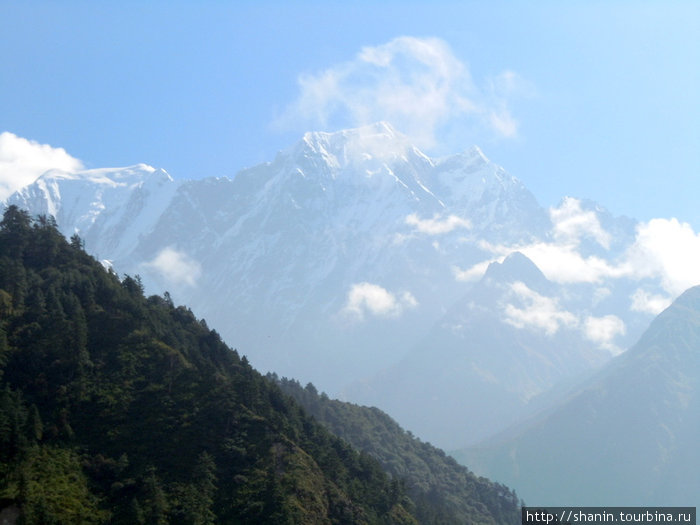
(595, 100)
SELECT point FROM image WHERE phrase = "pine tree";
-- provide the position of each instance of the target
(34, 426)
(154, 502)
(14, 229)
(205, 483)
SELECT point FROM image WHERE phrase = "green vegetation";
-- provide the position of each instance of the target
(116, 408)
(445, 492)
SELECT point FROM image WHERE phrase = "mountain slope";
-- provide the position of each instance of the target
(480, 369)
(109, 208)
(121, 409)
(455, 494)
(628, 437)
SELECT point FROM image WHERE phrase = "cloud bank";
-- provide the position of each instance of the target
(22, 161)
(663, 250)
(417, 84)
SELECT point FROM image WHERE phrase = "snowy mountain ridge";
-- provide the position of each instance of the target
(349, 252)
(108, 207)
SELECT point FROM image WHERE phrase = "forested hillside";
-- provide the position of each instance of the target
(116, 408)
(451, 492)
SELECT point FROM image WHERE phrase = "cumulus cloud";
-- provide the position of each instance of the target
(664, 250)
(539, 312)
(663, 260)
(603, 330)
(367, 298)
(560, 262)
(571, 223)
(417, 84)
(475, 271)
(560, 259)
(643, 301)
(668, 250)
(437, 226)
(22, 161)
(176, 267)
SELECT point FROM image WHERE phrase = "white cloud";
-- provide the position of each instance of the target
(571, 223)
(602, 331)
(436, 226)
(22, 161)
(561, 260)
(408, 300)
(474, 272)
(643, 301)
(668, 250)
(561, 263)
(503, 122)
(373, 299)
(417, 84)
(176, 267)
(601, 293)
(502, 88)
(664, 249)
(539, 313)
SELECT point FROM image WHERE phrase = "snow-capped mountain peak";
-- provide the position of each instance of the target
(127, 175)
(105, 206)
(373, 144)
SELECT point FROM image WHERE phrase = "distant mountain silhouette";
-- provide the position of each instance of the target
(627, 437)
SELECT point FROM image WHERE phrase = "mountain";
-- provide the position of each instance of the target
(479, 370)
(276, 253)
(352, 257)
(117, 408)
(628, 436)
(455, 494)
(109, 208)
